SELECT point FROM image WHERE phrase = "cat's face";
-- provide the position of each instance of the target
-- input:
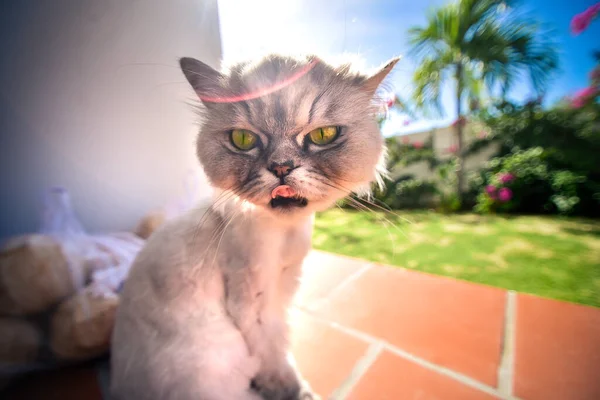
(289, 135)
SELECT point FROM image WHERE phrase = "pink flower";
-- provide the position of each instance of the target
(506, 178)
(406, 122)
(581, 21)
(418, 145)
(405, 140)
(505, 194)
(582, 96)
(587, 92)
(578, 103)
(482, 135)
(390, 102)
(452, 149)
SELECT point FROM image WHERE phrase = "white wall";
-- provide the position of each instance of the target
(91, 98)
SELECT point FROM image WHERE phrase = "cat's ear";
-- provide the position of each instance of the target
(372, 82)
(206, 81)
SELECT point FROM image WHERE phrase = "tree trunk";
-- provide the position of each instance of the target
(459, 135)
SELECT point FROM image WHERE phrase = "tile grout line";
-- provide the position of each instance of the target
(360, 369)
(457, 376)
(507, 358)
(345, 282)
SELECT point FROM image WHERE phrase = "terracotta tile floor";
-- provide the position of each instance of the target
(408, 335)
(370, 332)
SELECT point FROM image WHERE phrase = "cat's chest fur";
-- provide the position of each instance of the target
(277, 247)
(264, 249)
(250, 256)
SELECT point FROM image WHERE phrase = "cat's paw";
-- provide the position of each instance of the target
(278, 387)
(307, 394)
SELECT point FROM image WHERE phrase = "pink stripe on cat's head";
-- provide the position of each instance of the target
(262, 92)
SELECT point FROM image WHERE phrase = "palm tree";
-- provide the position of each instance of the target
(483, 45)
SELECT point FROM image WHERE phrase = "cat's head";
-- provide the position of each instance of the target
(289, 135)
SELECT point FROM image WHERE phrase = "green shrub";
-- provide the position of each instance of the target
(414, 193)
(553, 154)
(448, 199)
(535, 186)
(407, 192)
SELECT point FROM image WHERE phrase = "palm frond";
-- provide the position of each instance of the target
(494, 44)
(428, 79)
(506, 49)
(473, 83)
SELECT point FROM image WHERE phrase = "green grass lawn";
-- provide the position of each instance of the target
(547, 256)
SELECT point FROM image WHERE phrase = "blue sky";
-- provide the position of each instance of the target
(376, 30)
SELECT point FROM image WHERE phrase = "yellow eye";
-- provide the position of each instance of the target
(322, 136)
(243, 139)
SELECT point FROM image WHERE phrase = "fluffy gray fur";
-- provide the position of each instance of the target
(203, 312)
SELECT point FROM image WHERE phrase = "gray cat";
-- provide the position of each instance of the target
(203, 312)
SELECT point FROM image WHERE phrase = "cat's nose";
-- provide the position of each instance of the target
(281, 169)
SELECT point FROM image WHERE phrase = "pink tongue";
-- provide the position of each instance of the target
(283, 191)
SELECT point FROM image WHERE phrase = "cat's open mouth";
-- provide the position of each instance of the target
(286, 197)
(288, 202)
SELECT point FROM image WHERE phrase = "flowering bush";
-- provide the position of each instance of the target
(581, 21)
(497, 194)
(583, 96)
(504, 194)
(506, 178)
(527, 181)
(492, 192)
(566, 139)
